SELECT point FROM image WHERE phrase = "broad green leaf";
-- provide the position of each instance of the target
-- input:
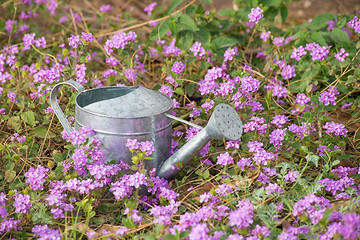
(10, 175)
(187, 23)
(223, 41)
(190, 89)
(173, 5)
(314, 159)
(272, 3)
(28, 117)
(160, 30)
(321, 21)
(318, 38)
(185, 39)
(179, 91)
(284, 13)
(339, 35)
(41, 132)
(252, 3)
(203, 35)
(14, 122)
(225, 12)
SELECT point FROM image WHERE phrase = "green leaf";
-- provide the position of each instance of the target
(207, 1)
(314, 159)
(40, 132)
(203, 35)
(318, 38)
(187, 23)
(82, 59)
(28, 117)
(14, 122)
(58, 157)
(173, 5)
(272, 3)
(339, 35)
(10, 175)
(223, 41)
(284, 13)
(179, 91)
(336, 162)
(321, 21)
(185, 39)
(225, 12)
(160, 30)
(190, 89)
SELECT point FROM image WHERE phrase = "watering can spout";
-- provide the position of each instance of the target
(224, 123)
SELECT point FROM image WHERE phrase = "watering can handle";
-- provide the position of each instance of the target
(55, 106)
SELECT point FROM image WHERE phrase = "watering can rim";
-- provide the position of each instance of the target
(116, 117)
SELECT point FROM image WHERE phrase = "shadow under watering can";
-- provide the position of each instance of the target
(118, 113)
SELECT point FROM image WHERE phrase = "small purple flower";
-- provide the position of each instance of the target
(147, 147)
(273, 188)
(230, 53)
(132, 144)
(87, 37)
(265, 36)
(74, 41)
(243, 216)
(223, 190)
(199, 232)
(197, 49)
(331, 25)
(255, 15)
(28, 39)
(41, 42)
(297, 53)
(131, 74)
(12, 97)
(208, 105)
(22, 203)
(36, 177)
(178, 67)
(336, 128)
(106, 8)
(278, 41)
(354, 24)
(302, 99)
(224, 159)
(341, 55)
(328, 97)
(291, 176)
(277, 136)
(279, 120)
(122, 231)
(167, 90)
(148, 9)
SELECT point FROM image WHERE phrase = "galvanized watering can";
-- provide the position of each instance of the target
(119, 113)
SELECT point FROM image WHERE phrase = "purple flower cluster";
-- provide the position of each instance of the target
(291, 176)
(170, 49)
(119, 41)
(314, 207)
(146, 147)
(148, 9)
(347, 225)
(209, 84)
(302, 99)
(178, 67)
(197, 49)
(22, 203)
(44, 232)
(341, 55)
(278, 41)
(354, 24)
(163, 214)
(124, 187)
(335, 186)
(288, 72)
(279, 120)
(265, 36)
(336, 128)
(230, 53)
(317, 52)
(273, 188)
(256, 124)
(167, 90)
(131, 74)
(224, 159)
(106, 8)
(78, 137)
(36, 177)
(277, 136)
(255, 15)
(10, 224)
(277, 88)
(242, 217)
(297, 53)
(302, 131)
(74, 41)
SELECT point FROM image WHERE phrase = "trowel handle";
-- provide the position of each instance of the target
(55, 106)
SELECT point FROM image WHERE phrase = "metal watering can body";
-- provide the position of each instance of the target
(119, 113)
